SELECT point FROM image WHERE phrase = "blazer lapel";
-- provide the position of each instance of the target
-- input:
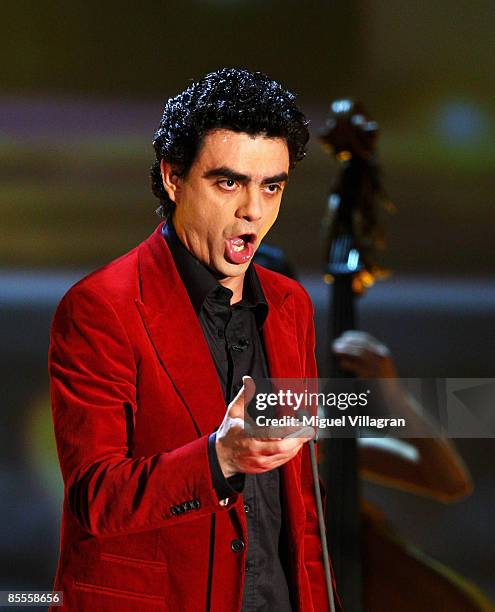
(174, 330)
(282, 348)
(279, 334)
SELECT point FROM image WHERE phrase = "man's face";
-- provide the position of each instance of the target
(230, 198)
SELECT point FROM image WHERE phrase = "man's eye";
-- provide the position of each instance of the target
(227, 184)
(273, 188)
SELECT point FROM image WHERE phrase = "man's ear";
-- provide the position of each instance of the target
(171, 181)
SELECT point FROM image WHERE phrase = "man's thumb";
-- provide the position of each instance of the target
(242, 399)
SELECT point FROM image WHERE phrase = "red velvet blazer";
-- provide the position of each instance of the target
(135, 395)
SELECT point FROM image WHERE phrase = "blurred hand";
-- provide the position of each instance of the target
(363, 355)
(435, 470)
(238, 452)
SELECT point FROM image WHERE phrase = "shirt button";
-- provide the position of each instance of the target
(237, 546)
(247, 508)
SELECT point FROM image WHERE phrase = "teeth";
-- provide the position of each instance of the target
(238, 248)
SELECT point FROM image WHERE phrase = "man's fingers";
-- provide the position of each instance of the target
(263, 463)
(308, 433)
(276, 447)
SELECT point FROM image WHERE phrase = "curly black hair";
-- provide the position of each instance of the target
(231, 98)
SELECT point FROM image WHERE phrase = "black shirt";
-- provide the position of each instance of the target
(234, 337)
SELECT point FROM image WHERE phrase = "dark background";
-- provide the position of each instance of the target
(82, 87)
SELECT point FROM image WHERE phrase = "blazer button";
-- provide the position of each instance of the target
(174, 511)
(237, 546)
(195, 504)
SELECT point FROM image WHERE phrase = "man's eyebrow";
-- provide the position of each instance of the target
(281, 177)
(226, 172)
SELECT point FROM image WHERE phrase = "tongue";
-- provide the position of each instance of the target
(237, 250)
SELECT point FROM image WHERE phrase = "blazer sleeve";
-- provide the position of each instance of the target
(313, 553)
(93, 375)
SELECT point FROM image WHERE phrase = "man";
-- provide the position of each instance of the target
(169, 504)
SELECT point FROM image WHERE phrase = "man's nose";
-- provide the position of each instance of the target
(250, 207)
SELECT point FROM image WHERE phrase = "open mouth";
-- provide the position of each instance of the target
(239, 249)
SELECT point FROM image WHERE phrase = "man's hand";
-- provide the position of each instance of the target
(363, 355)
(238, 452)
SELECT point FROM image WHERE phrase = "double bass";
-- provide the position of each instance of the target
(375, 569)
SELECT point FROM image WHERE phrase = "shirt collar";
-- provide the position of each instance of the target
(201, 283)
